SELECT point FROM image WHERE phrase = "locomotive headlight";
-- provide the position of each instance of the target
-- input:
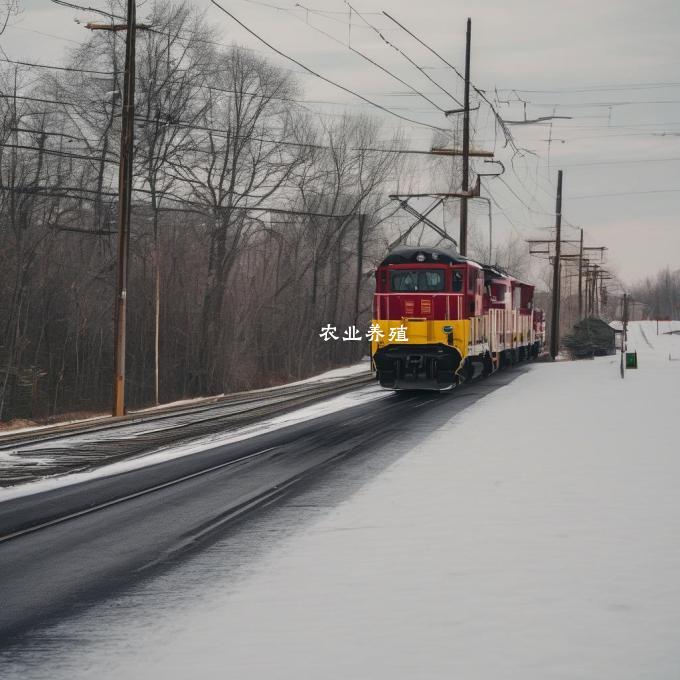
(448, 329)
(420, 257)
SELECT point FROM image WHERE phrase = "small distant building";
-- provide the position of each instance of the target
(591, 337)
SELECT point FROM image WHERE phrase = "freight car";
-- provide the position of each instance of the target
(440, 318)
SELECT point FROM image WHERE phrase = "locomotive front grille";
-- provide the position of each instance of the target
(432, 366)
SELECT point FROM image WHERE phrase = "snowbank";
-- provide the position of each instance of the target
(533, 537)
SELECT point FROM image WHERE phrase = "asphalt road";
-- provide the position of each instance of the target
(56, 571)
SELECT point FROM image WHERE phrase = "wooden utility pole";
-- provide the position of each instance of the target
(124, 202)
(593, 290)
(555, 321)
(360, 265)
(462, 241)
(580, 279)
(127, 133)
(488, 203)
(624, 315)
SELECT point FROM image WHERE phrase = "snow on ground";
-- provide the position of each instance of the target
(329, 376)
(317, 410)
(337, 373)
(532, 537)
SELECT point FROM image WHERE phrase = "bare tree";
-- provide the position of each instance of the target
(253, 222)
(238, 162)
(8, 9)
(177, 68)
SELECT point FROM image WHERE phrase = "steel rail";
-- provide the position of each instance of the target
(59, 430)
(75, 451)
(80, 504)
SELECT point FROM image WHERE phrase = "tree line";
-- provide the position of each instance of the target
(660, 295)
(254, 222)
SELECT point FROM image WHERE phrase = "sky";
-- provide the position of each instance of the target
(611, 66)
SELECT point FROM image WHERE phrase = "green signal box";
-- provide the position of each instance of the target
(631, 360)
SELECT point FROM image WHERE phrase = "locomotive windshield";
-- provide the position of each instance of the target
(411, 280)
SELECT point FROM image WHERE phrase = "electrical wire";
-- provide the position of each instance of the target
(371, 61)
(48, 35)
(57, 68)
(404, 55)
(509, 140)
(595, 88)
(57, 192)
(626, 193)
(620, 162)
(593, 105)
(306, 70)
(321, 77)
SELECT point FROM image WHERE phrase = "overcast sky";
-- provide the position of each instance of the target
(612, 65)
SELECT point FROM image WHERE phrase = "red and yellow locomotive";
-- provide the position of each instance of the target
(439, 318)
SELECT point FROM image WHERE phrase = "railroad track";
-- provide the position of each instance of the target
(81, 446)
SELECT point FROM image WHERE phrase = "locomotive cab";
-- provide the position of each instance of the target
(423, 298)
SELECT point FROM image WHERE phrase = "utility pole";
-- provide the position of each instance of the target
(127, 133)
(593, 291)
(490, 230)
(624, 314)
(124, 190)
(466, 145)
(360, 264)
(555, 321)
(580, 279)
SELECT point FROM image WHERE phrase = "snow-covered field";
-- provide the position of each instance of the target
(533, 537)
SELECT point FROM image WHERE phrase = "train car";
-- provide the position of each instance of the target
(439, 318)
(515, 330)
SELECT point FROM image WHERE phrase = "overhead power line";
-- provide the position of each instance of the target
(594, 88)
(173, 35)
(202, 208)
(369, 60)
(55, 152)
(501, 123)
(621, 162)
(57, 68)
(217, 43)
(626, 193)
(96, 10)
(48, 35)
(321, 77)
(404, 55)
(38, 99)
(519, 198)
(594, 105)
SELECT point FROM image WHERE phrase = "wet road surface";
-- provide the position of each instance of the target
(58, 571)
